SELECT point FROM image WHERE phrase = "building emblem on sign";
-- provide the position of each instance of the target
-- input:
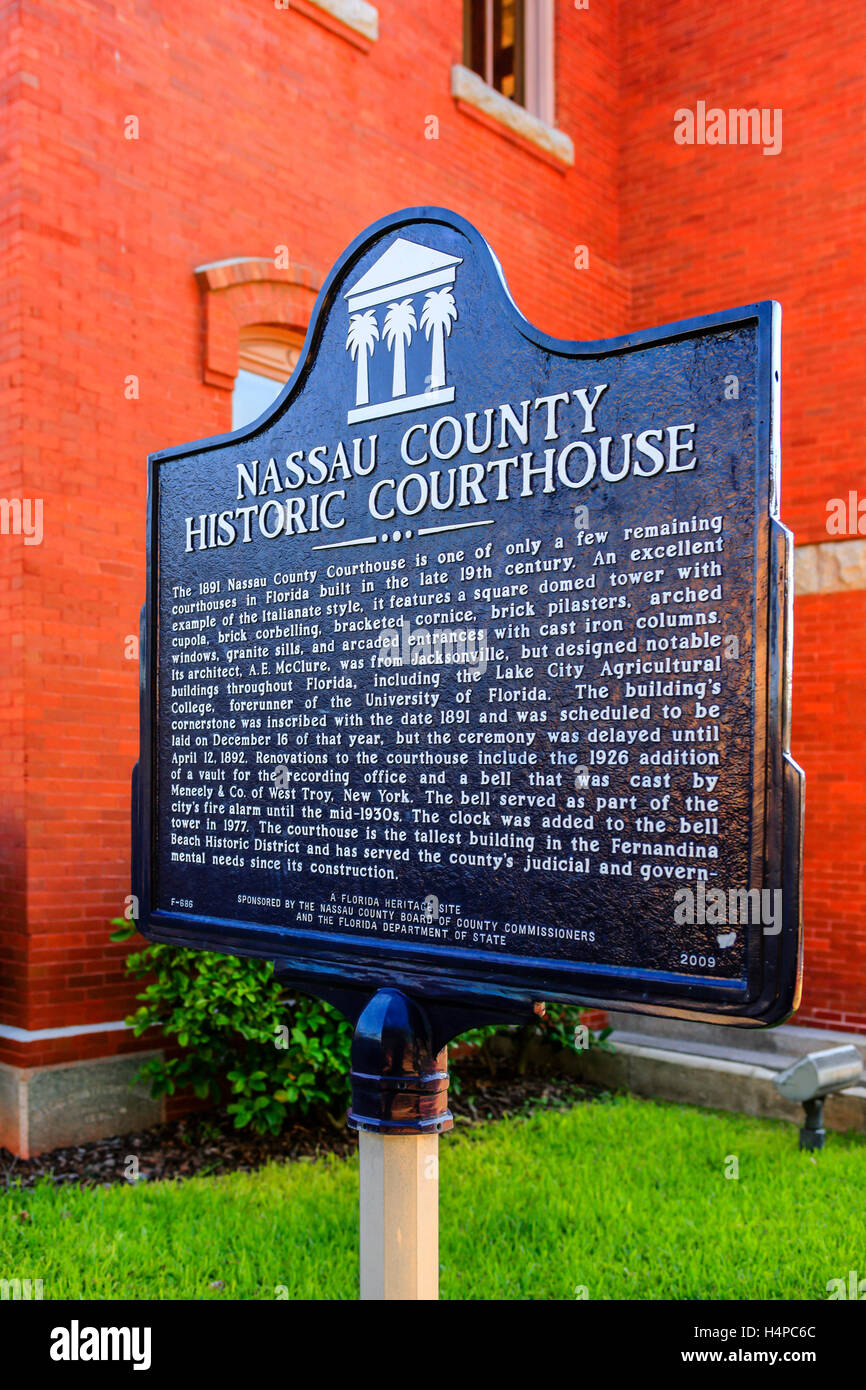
(412, 283)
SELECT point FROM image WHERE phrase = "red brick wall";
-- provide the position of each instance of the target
(709, 227)
(16, 559)
(830, 739)
(260, 128)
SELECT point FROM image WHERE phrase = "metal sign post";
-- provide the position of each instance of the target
(400, 1107)
(466, 684)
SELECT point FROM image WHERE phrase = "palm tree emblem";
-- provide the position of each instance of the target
(438, 314)
(400, 324)
(363, 334)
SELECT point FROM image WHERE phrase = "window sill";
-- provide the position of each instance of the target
(477, 99)
(354, 20)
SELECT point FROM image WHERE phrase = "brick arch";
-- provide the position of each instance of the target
(249, 290)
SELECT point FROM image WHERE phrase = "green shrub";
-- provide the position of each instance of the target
(239, 1031)
(273, 1055)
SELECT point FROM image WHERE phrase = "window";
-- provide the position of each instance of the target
(266, 360)
(510, 44)
(494, 44)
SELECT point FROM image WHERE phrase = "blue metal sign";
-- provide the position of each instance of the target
(466, 667)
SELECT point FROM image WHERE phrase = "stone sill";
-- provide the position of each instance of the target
(499, 113)
(354, 20)
(830, 567)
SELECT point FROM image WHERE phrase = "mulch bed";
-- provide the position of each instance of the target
(208, 1144)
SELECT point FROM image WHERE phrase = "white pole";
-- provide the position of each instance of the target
(399, 1203)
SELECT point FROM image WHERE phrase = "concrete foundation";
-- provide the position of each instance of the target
(44, 1108)
(725, 1068)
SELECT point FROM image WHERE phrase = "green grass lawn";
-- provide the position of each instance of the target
(627, 1198)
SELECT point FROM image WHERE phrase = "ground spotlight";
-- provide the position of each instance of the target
(811, 1079)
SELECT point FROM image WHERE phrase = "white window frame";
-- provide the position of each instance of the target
(538, 73)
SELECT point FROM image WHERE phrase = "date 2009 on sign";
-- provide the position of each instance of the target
(702, 962)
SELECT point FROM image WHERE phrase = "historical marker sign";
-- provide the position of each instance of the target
(467, 666)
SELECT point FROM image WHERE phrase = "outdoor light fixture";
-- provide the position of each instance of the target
(811, 1079)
